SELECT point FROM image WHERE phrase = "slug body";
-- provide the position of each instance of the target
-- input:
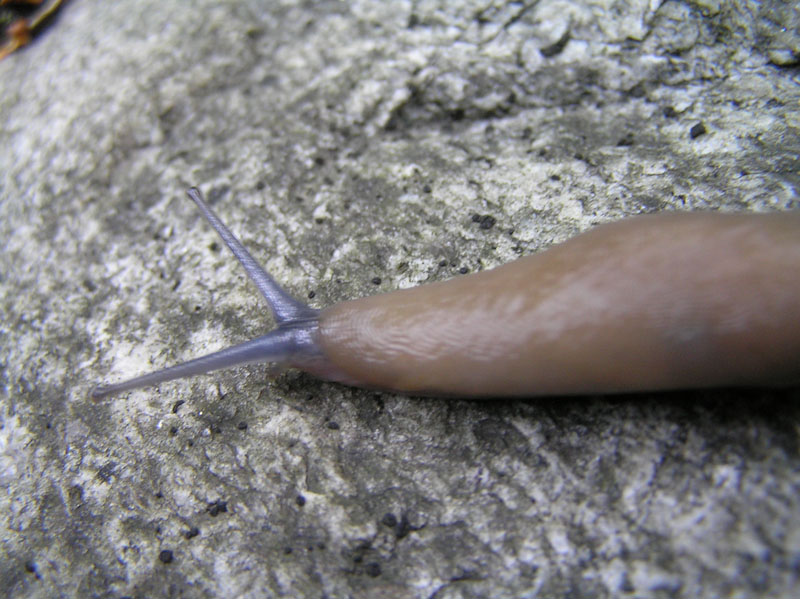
(654, 302)
(681, 300)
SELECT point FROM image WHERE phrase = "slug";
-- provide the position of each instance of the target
(655, 302)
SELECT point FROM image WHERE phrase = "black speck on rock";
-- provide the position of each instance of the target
(556, 47)
(373, 569)
(487, 222)
(389, 519)
(191, 533)
(403, 528)
(300, 500)
(697, 130)
(106, 471)
(333, 425)
(242, 426)
(625, 141)
(217, 508)
(166, 556)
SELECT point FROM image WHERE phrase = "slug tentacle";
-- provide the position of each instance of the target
(284, 307)
(293, 343)
(284, 345)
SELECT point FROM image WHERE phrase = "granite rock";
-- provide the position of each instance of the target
(348, 143)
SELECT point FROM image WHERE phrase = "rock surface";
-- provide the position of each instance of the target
(359, 147)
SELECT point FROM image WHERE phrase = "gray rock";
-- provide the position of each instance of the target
(346, 142)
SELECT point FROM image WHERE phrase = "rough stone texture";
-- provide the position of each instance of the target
(346, 141)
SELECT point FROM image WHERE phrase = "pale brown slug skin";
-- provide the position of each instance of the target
(655, 302)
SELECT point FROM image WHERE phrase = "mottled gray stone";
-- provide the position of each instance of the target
(346, 141)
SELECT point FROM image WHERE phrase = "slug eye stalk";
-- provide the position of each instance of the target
(292, 343)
